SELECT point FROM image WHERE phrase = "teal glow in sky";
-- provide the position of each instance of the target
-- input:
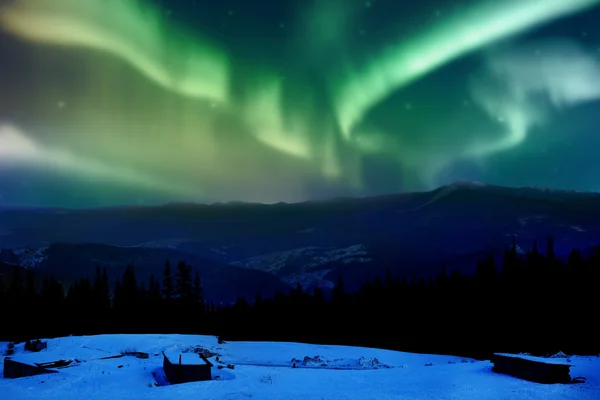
(109, 102)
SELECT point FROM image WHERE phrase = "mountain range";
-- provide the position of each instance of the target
(242, 248)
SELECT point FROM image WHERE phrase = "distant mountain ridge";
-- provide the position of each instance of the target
(312, 242)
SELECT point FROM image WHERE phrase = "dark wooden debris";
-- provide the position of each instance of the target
(138, 354)
(36, 345)
(531, 370)
(16, 369)
(182, 373)
(55, 364)
(111, 357)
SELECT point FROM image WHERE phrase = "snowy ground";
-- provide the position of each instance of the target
(264, 371)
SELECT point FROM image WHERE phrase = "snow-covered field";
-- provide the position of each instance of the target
(263, 370)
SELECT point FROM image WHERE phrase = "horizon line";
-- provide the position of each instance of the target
(458, 184)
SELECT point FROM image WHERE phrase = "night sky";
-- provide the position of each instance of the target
(107, 102)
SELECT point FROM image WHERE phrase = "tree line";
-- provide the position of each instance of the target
(172, 303)
(530, 302)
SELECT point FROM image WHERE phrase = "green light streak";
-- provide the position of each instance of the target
(131, 30)
(17, 148)
(468, 30)
(170, 141)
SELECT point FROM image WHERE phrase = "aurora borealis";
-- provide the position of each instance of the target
(106, 102)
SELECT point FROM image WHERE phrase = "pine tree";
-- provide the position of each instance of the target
(442, 277)
(154, 294)
(15, 289)
(105, 290)
(78, 301)
(87, 319)
(486, 272)
(130, 290)
(339, 291)
(507, 262)
(97, 280)
(388, 277)
(198, 291)
(318, 297)
(576, 263)
(258, 298)
(101, 290)
(2, 293)
(241, 307)
(339, 307)
(550, 251)
(534, 254)
(52, 293)
(52, 300)
(87, 293)
(72, 296)
(168, 289)
(30, 294)
(129, 315)
(141, 300)
(184, 288)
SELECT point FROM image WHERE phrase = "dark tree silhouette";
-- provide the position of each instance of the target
(184, 286)
(154, 294)
(101, 290)
(517, 307)
(168, 288)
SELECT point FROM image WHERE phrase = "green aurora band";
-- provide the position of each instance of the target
(205, 89)
(464, 32)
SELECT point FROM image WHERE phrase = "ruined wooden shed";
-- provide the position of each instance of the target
(186, 367)
(18, 369)
(534, 369)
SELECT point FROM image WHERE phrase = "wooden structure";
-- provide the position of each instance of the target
(534, 369)
(16, 369)
(36, 345)
(187, 367)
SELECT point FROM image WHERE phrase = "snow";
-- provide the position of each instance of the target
(314, 256)
(547, 360)
(263, 370)
(578, 228)
(30, 257)
(531, 220)
(186, 358)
